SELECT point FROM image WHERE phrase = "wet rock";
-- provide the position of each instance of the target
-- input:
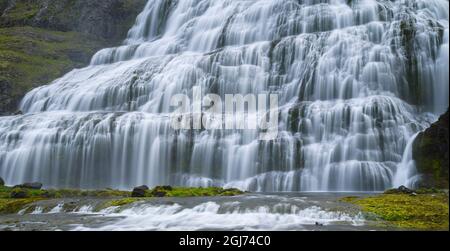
(31, 185)
(19, 193)
(166, 188)
(430, 151)
(2, 182)
(400, 190)
(140, 191)
(161, 191)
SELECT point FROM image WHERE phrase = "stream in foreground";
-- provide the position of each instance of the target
(289, 211)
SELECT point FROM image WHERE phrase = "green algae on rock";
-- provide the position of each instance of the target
(167, 191)
(405, 211)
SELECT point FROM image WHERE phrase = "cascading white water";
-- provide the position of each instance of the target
(356, 80)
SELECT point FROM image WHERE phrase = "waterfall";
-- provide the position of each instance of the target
(356, 80)
(406, 174)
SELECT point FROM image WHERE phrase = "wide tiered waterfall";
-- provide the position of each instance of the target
(356, 80)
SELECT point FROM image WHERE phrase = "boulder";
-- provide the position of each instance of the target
(161, 191)
(19, 193)
(400, 190)
(2, 182)
(140, 191)
(32, 185)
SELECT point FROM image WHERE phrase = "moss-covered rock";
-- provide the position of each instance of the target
(40, 40)
(430, 151)
(119, 202)
(12, 206)
(108, 19)
(8, 192)
(167, 191)
(139, 191)
(418, 212)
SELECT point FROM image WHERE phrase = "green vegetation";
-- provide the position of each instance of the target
(22, 11)
(10, 206)
(191, 192)
(32, 56)
(120, 202)
(6, 193)
(406, 211)
(42, 40)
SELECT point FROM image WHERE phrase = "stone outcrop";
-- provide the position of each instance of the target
(430, 151)
(139, 192)
(40, 40)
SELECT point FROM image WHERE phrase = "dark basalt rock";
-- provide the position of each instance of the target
(30, 185)
(430, 151)
(401, 190)
(139, 192)
(161, 191)
(2, 182)
(18, 193)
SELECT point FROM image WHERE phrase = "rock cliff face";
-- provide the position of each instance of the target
(41, 40)
(430, 151)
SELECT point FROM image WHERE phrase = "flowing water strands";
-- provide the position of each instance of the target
(356, 81)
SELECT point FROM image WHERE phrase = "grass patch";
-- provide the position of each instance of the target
(420, 212)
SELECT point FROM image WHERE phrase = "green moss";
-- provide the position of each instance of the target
(32, 56)
(23, 10)
(5, 193)
(420, 212)
(72, 193)
(121, 202)
(11, 206)
(192, 192)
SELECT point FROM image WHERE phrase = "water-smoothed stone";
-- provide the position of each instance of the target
(139, 191)
(161, 191)
(400, 190)
(19, 193)
(30, 185)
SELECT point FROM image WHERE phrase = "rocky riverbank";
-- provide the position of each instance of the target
(25, 196)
